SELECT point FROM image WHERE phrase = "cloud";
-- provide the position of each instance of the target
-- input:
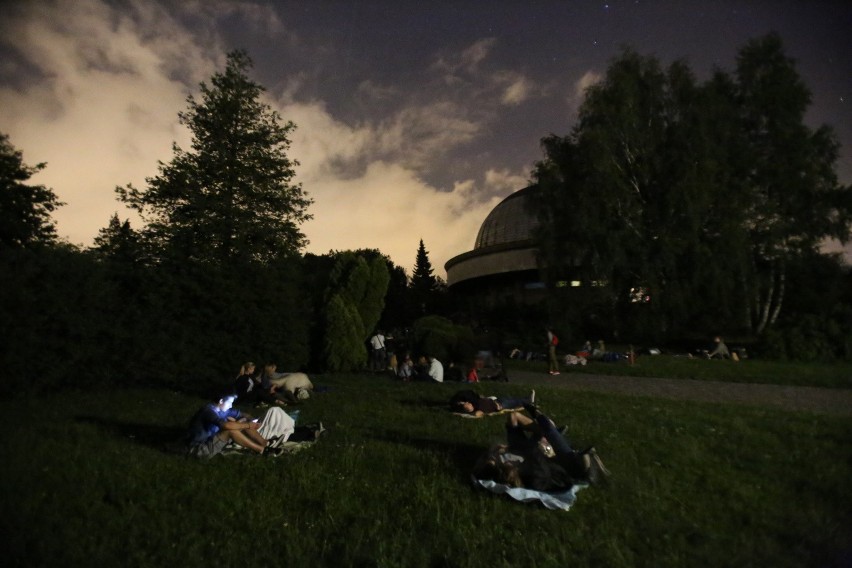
(467, 61)
(102, 107)
(417, 135)
(96, 94)
(387, 205)
(391, 209)
(588, 79)
(515, 87)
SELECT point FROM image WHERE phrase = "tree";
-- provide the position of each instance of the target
(695, 195)
(621, 197)
(118, 242)
(424, 284)
(793, 194)
(24, 209)
(353, 304)
(232, 196)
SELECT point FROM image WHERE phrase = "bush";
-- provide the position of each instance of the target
(439, 337)
(70, 319)
(810, 338)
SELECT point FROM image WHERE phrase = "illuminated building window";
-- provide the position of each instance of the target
(639, 295)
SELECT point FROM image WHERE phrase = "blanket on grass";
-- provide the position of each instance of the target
(558, 500)
(287, 447)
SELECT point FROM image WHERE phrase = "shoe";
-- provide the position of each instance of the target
(231, 450)
(532, 396)
(272, 452)
(555, 373)
(319, 430)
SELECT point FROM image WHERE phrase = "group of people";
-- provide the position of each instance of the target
(537, 454)
(218, 425)
(427, 368)
(271, 387)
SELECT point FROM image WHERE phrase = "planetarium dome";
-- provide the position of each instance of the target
(509, 222)
(504, 256)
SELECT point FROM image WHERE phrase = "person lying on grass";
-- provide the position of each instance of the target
(218, 423)
(270, 390)
(470, 402)
(538, 456)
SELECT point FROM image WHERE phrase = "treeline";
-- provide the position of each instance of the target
(686, 210)
(72, 319)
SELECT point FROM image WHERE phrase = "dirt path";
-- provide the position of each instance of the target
(808, 399)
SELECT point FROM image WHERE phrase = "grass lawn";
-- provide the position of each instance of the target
(86, 482)
(829, 375)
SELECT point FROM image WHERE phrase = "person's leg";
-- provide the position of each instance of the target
(560, 443)
(511, 402)
(239, 437)
(255, 436)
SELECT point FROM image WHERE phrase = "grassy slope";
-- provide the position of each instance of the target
(693, 484)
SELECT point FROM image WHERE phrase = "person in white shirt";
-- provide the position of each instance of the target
(378, 356)
(435, 372)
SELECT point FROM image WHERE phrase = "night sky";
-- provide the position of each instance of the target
(414, 118)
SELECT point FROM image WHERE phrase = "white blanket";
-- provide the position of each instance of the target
(561, 500)
(278, 423)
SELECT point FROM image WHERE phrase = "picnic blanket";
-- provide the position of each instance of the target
(558, 500)
(287, 447)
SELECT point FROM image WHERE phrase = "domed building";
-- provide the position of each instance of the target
(503, 265)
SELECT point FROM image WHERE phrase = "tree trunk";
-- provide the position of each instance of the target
(779, 298)
(766, 302)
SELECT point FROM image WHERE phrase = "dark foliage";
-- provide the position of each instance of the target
(72, 319)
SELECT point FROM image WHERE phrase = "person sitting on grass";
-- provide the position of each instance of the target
(217, 424)
(430, 370)
(406, 368)
(470, 402)
(538, 456)
(269, 390)
(720, 350)
(247, 382)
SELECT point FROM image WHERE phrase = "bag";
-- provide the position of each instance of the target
(555, 340)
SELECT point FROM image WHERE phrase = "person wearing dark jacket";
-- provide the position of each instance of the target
(538, 456)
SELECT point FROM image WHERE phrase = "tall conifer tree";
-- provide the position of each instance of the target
(232, 197)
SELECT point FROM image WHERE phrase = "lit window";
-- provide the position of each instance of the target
(639, 295)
